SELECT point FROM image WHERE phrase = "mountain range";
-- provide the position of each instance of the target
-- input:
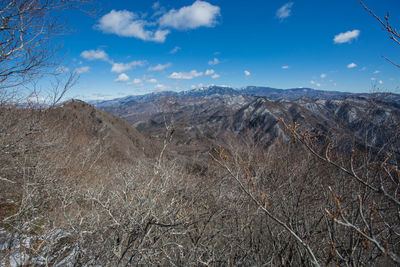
(205, 116)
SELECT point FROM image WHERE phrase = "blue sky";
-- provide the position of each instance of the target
(136, 47)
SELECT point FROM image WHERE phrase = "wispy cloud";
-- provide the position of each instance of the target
(285, 67)
(122, 67)
(98, 54)
(159, 67)
(160, 86)
(351, 65)
(136, 82)
(346, 37)
(174, 50)
(323, 75)
(152, 80)
(186, 75)
(215, 61)
(377, 71)
(128, 24)
(209, 72)
(215, 76)
(315, 83)
(247, 73)
(62, 69)
(199, 14)
(285, 11)
(122, 78)
(82, 70)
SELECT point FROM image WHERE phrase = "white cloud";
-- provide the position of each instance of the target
(122, 78)
(82, 70)
(247, 73)
(160, 87)
(159, 67)
(284, 11)
(136, 81)
(373, 79)
(215, 76)
(380, 82)
(285, 67)
(315, 83)
(215, 61)
(152, 80)
(199, 14)
(122, 67)
(363, 68)
(62, 69)
(346, 37)
(174, 50)
(351, 65)
(323, 75)
(156, 5)
(209, 72)
(128, 24)
(186, 75)
(98, 54)
(377, 71)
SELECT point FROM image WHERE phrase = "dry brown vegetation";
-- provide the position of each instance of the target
(68, 198)
(80, 187)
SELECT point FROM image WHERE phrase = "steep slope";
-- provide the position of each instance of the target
(68, 140)
(84, 124)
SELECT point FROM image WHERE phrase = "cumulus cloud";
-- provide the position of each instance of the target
(98, 54)
(174, 50)
(152, 80)
(285, 11)
(285, 67)
(186, 75)
(215, 61)
(215, 76)
(199, 14)
(209, 72)
(122, 67)
(247, 73)
(122, 78)
(351, 65)
(82, 70)
(323, 75)
(346, 37)
(159, 67)
(128, 24)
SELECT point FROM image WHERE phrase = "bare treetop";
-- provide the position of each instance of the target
(27, 37)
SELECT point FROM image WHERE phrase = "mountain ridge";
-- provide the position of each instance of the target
(254, 91)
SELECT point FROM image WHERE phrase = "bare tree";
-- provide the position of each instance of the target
(28, 31)
(388, 27)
